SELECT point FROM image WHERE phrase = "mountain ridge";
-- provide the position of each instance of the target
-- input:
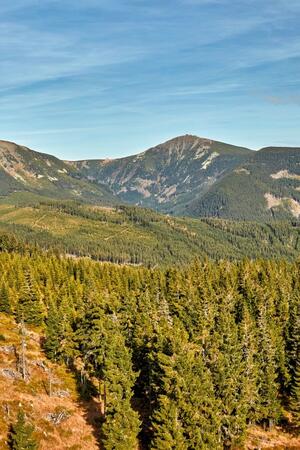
(26, 170)
(264, 187)
(168, 175)
(186, 175)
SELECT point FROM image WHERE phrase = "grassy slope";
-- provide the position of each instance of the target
(133, 235)
(75, 433)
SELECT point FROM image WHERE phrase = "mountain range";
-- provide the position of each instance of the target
(25, 171)
(167, 177)
(187, 175)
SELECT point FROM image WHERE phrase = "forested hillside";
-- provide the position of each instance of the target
(189, 358)
(185, 176)
(263, 188)
(133, 235)
(168, 176)
(23, 170)
(191, 341)
(55, 414)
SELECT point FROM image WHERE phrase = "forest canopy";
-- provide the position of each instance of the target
(184, 358)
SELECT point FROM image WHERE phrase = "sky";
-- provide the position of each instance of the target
(108, 78)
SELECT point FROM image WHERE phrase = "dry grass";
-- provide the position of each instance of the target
(275, 439)
(77, 431)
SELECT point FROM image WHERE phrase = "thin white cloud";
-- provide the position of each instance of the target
(272, 52)
(209, 88)
(31, 55)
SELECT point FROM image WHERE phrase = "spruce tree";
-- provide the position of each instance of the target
(295, 395)
(4, 300)
(269, 408)
(186, 411)
(226, 363)
(293, 340)
(167, 427)
(107, 358)
(249, 376)
(21, 437)
(29, 307)
(52, 344)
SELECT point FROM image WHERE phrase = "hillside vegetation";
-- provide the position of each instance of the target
(169, 176)
(23, 170)
(47, 393)
(133, 235)
(263, 188)
(202, 357)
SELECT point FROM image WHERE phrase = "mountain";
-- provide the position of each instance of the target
(24, 170)
(264, 187)
(166, 177)
(187, 175)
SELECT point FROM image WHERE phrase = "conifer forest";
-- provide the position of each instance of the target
(149, 225)
(178, 358)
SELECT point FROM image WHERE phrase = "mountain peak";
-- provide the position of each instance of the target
(166, 177)
(8, 146)
(187, 139)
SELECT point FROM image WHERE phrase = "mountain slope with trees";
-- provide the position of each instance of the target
(264, 187)
(132, 235)
(25, 171)
(187, 176)
(196, 357)
(41, 407)
(166, 177)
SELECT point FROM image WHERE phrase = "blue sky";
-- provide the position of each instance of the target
(108, 78)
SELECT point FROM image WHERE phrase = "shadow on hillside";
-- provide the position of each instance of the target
(289, 427)
(89, 403)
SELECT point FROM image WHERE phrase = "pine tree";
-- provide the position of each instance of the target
(29, 307)
(295, 395)
(167, 427)
(21, 434)
(4, 300)
(52, 344)
(106, 357)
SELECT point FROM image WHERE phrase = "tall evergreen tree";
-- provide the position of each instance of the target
(295, 395)
(293, 338)
(29, 308)
(269, 408)
(21, 437)
(226, 362)
(168, 429)
(4, 300)
(102, 346)
(54, 333)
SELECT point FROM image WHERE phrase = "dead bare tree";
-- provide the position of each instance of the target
(22, 365)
